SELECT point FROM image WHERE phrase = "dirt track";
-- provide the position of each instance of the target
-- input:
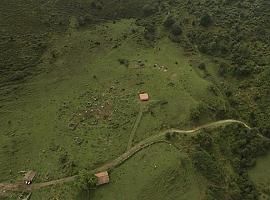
(158, 138)
(135, 127)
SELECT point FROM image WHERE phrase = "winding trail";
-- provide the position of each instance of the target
(158, 138)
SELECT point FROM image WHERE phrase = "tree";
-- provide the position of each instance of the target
(206, 20)
(223, 68)
(149, 9)
(197, 112)
(176, 29)
(169, 21)
(202, 66)
(150, 32)
(205, 140)
(123, 61)
(168, 136)
(86, 181)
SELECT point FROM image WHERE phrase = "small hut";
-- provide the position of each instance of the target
(144, 96)
(28, 177)
(102, 178)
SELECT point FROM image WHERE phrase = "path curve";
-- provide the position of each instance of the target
(121, 159)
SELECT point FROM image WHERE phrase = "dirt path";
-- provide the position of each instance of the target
(135, 127)
(158, 138)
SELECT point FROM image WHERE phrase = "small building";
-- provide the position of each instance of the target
(29, 177)
(144, 96)
(102, 178)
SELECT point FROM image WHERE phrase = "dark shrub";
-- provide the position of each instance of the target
(207, 166)
(223, 68)
(148, 10)
(202, 66)
(169, 21)
(205, 140)
(206, 20)
(168, 136)
(176, 29)
(96, 5)
(150, 32)
(81, 21)
(123, 61)
(86, 180)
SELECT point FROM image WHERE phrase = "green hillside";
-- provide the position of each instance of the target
(71, 75)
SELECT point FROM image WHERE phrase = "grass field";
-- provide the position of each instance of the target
(80, 113)
(261, 176)
(46, 125)
(160, 168)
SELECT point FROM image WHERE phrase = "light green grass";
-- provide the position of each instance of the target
(35, 121)
(153, 174)
(260, 175)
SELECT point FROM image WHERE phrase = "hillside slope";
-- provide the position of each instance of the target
(71, 72)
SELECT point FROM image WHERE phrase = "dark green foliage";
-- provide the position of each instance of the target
(210, 43)
(265, 131)
(241, 146)
(214, 192)
(247, 188)
(223, 69)
(63, 158)
(123, 61)
(168, 136)
(96, 5)
(84, 20)
(67, 165)
(241, 71)
(206, 20)
(149, 9)
(169, 21)
(207, 166)
(176, 29)
(86, 180)
(197, 112)
(245, 145)
(205, 140)
(150, 32)
(202, 66)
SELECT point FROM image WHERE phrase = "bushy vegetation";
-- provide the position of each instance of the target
(150, 32)
(123, 61)
(241, 147)
(206, 20)
(197, 112)
(176, 29)
(67, 165)
(149, 9)
(205, 140)
(85, 182)
(208, 166)
(245, 146)
(232, 34)
(169, 21)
